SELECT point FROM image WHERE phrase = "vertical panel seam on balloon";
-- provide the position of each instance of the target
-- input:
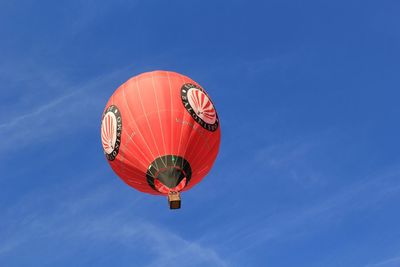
(206, 154)
(124, 148)
(132, 118)
(130, 115)
(147, 120)
(159, 116)
(130, 153)
(172, 117)
(183, 116)
(204, 145)
(129, 171)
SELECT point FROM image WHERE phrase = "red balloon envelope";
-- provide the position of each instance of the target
(160, 132)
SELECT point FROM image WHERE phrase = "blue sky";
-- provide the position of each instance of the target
(307, 94)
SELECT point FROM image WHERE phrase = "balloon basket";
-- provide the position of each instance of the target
(174, 200)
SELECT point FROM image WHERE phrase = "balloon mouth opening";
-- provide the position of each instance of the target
(170, 179)
(162, 188)
(169, 173)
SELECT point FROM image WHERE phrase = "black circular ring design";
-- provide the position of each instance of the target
(185, 100)
(170, 170)
(118, 131)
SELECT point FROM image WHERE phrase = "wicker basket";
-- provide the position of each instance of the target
(174, 200)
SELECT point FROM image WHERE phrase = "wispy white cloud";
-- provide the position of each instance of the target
(297, 159)
(392, 262)
(309, 219)
(75, 220)
(75, 106)
(38, 112)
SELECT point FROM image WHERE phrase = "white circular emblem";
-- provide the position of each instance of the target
(202, 105)
(109, 132)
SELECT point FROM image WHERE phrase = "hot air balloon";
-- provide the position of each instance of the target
(160, 133)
